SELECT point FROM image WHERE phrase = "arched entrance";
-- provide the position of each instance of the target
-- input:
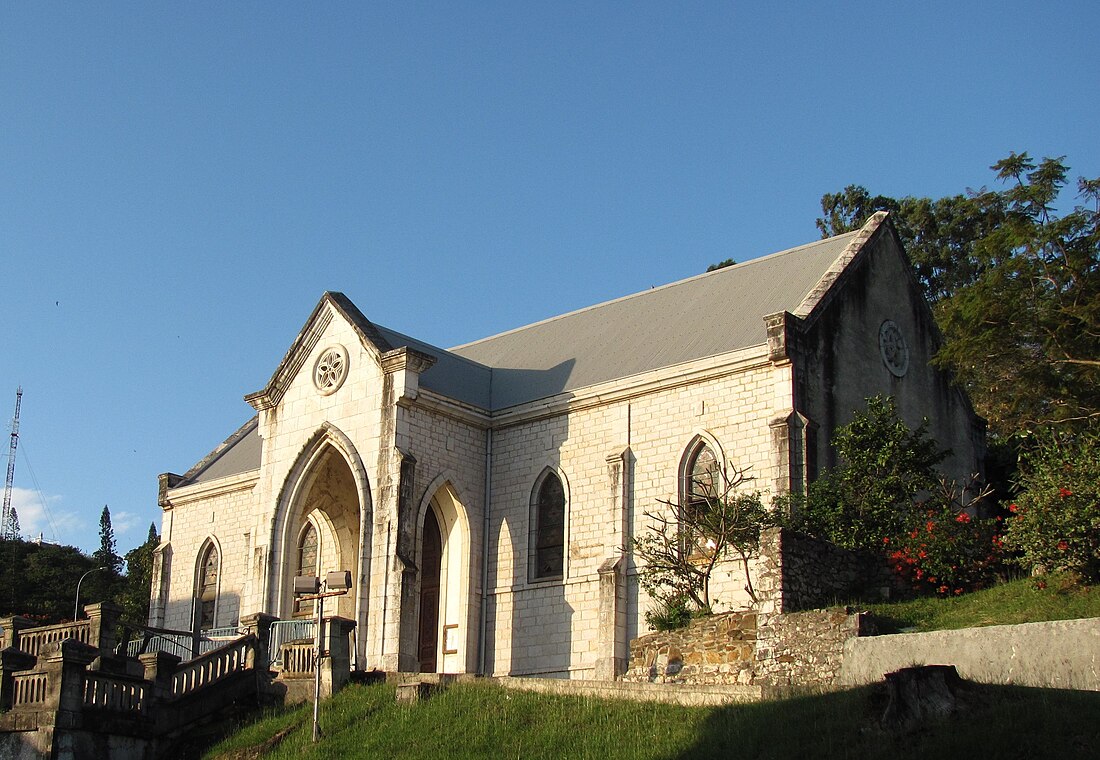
(447, 612)
(321, 532)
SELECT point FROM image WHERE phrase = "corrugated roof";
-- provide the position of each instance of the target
(706, 315)
(239, 453)
(451, 375)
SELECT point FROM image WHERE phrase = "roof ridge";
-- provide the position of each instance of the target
(719, 272)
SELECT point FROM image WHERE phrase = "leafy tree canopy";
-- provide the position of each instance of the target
(1016, 288)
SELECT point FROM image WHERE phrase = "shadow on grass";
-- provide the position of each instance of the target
(989, 721)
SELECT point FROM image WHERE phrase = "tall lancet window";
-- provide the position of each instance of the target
(307, 565)
(548, 533)
(207, 591)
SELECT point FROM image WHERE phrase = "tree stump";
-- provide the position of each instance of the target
(918, 693)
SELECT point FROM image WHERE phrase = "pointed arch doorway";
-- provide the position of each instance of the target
(430, 564)
(446, 610)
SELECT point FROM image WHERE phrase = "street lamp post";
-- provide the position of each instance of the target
(76, 604)
(308, 587)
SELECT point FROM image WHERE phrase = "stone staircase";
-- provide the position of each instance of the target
(68, 691)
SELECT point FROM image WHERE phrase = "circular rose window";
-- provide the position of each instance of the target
(330, 369)
(891, 345)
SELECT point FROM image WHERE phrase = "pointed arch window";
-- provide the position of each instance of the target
(548, 529)
(206, 601)
(701, 486)
(307, 564)
(702, 478)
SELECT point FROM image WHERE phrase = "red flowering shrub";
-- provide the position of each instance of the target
(1055, 521)
(948, 551)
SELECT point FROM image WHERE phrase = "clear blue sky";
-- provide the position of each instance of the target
(179, 183)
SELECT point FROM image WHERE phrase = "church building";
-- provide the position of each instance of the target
(484, 497)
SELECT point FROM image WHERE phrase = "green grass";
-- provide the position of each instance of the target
(483, 720)
(478, 720)
(1020, 601)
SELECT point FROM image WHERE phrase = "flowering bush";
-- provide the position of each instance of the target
(1055, 521)
(947, 551)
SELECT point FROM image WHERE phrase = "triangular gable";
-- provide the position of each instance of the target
(830, 284)
(331, 303)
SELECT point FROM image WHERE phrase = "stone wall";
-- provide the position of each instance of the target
(797, 572)
(801, 648)
(805, 648)
(719, 649)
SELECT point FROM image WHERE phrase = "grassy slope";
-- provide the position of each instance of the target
(1021, 601)
(482, 720)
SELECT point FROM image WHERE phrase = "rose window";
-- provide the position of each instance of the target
(331, 369)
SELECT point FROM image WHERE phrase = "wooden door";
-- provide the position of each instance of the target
(430, 561)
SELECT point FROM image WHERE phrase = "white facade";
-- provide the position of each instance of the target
(359, 442)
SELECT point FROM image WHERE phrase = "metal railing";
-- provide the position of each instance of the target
(182, 645)
(284, 631)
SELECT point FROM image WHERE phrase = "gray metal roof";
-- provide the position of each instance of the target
(239, 453)
(451, 375)
(706, 315)
(703, 316)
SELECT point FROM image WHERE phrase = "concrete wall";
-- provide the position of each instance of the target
(1062, 654)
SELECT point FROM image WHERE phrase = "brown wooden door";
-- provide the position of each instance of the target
(430, 561)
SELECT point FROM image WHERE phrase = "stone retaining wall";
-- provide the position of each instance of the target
(746, 648)
(805, 648)
(797, 572)
(719, 649)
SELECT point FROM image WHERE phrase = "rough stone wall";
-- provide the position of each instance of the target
(801, 648)
(719, 649)
(804, 648)
(798, 572)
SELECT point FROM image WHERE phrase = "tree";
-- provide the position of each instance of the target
(721, 265)
(940, 236)
(12, 530)
(1024, 338)
(870, 496)
(139, 575)
(106, 555)
(1055, 521)
(686, 541)
(1015, 288)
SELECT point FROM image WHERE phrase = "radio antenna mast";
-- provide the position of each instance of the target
(11, 465)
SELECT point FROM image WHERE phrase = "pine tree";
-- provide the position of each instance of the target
(11, 530)
(107, 555)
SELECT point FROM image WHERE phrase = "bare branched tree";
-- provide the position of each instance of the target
(715, 522)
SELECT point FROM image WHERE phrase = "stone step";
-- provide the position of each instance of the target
(415, 686)
(679, 694)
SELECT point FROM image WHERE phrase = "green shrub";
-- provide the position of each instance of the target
(1055, 522)
(670, 613)
(870, 496)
